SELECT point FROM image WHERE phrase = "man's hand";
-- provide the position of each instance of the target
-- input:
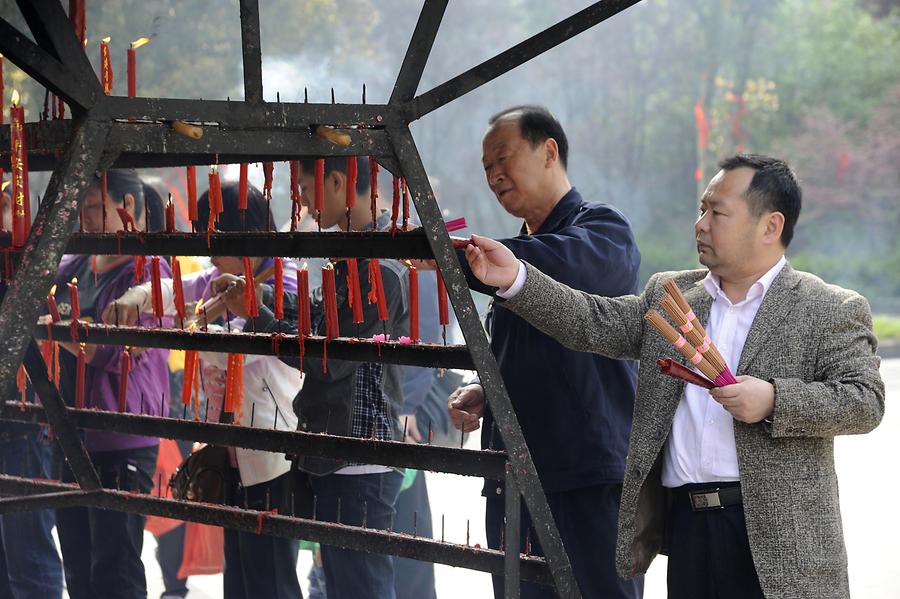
(411, 429)
(750, 400)
(466, 407)
(492, 263)
(232, 289)
(126, 311)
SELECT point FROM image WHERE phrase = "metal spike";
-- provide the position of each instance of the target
(315, 505)
(293, 505)
(252, 413)
(332, 95)
(268, 498)
(278, 97)
(339, 511)
(467, 533)
(405, 422)
(365, 514)
(415, 524)
(364, 94)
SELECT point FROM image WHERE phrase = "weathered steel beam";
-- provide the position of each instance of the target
(417, 52)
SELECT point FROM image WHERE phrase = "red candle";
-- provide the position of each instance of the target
(443, 307)
(279, 288)
(106, 72)
(124, 368)
(79, 377)
(178, 289)
(405, 205)
(320, 185)
(187, 383)
(243, 187)
(234, 383)
(215, 198)
(170, 216)
(413, 303)
(355, 294)
(73, 298)
(140, 265)
(76, 17)
(2, 116)
(156, 287)
(303, 324)
(192, 193)
(373, 184)
(395, 203)
(21, 209)
(351, 182)
(295, 193)
(250, 289)
(132, 72)
(268, 175)
(376, 289)
(330, 298)
(51, 305)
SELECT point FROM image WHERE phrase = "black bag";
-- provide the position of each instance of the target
(201, 476)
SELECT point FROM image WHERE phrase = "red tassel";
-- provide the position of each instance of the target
(250, 290)
(354, 296)
(279, 289)
(376, 289)
(268, 175)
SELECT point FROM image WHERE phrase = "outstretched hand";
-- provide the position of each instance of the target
(491, 262)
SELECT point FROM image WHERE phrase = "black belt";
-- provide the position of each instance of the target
(713, 498)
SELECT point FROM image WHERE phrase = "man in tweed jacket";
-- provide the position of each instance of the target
(755, 512)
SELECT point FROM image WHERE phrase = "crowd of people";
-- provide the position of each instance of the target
(736, 485)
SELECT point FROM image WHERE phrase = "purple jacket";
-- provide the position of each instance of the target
(149, 373)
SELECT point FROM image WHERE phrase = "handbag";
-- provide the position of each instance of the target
(201, 476)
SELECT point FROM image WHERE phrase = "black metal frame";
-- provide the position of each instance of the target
(136, 132)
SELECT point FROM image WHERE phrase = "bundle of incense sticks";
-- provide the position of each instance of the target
(686, 349)
(681, 313)
(680, 371)
(216, 306)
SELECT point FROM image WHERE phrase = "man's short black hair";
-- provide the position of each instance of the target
(537, 124)
(339, 164)
(122, 181)
(257, 218)
(774, 188)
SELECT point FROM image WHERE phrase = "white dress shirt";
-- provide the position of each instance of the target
(700, 447)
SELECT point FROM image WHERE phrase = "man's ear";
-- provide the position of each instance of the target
(551, 151)
(774, 227)
(336, 180)
(128, 203)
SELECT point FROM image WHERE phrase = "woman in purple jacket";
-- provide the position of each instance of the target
(102, 549)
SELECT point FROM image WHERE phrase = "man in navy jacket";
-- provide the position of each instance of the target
(574, 408)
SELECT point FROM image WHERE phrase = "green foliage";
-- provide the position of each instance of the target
(887, 328)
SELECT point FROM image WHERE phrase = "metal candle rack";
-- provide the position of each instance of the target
(119, 132)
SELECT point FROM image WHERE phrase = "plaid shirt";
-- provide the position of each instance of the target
(371, 417)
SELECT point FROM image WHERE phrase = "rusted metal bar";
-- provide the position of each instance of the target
(418, 50)
(282, 525)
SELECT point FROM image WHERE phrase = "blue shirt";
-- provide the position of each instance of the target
(574, 408)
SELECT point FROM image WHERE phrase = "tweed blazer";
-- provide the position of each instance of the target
(813, 342)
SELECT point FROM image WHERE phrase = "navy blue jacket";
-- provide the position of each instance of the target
(574, 408)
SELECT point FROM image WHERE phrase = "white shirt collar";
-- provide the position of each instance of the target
(757, 290)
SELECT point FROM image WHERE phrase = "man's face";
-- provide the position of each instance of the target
(92, 212)
(334, 209)
(231, 265)
(728, 235)
(514, 170)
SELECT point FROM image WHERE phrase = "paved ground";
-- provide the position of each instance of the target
(868, 498)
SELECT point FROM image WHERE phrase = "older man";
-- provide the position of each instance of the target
(574, 408)
(737, 485)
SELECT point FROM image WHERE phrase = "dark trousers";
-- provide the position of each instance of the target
(260, 565)
(363, 497)
(102, 548)
(709, 554)
(29, 563)
(170, 554)
(587, 520)
(414, 579)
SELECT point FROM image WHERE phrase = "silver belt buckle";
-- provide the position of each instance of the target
(706, 501)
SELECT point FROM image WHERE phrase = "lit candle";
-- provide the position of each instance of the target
(355, 294)
(243, 186)
(443, 307)
(51, 305)
(330, 298)
(352, 168)
(79, 377)
(192, 194)
(170, 216)
(303, 324)
(178, 290)
(124, 369)
(405, 205)
(21, 209)
(132, 65)
(268, 176)
(373, 184)
(250, 289)
(73, 298)
(320, 185)
(376, 289)
(395, 203)
(156, 287)
(279, 289)
(106, 72)
(413, 303)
